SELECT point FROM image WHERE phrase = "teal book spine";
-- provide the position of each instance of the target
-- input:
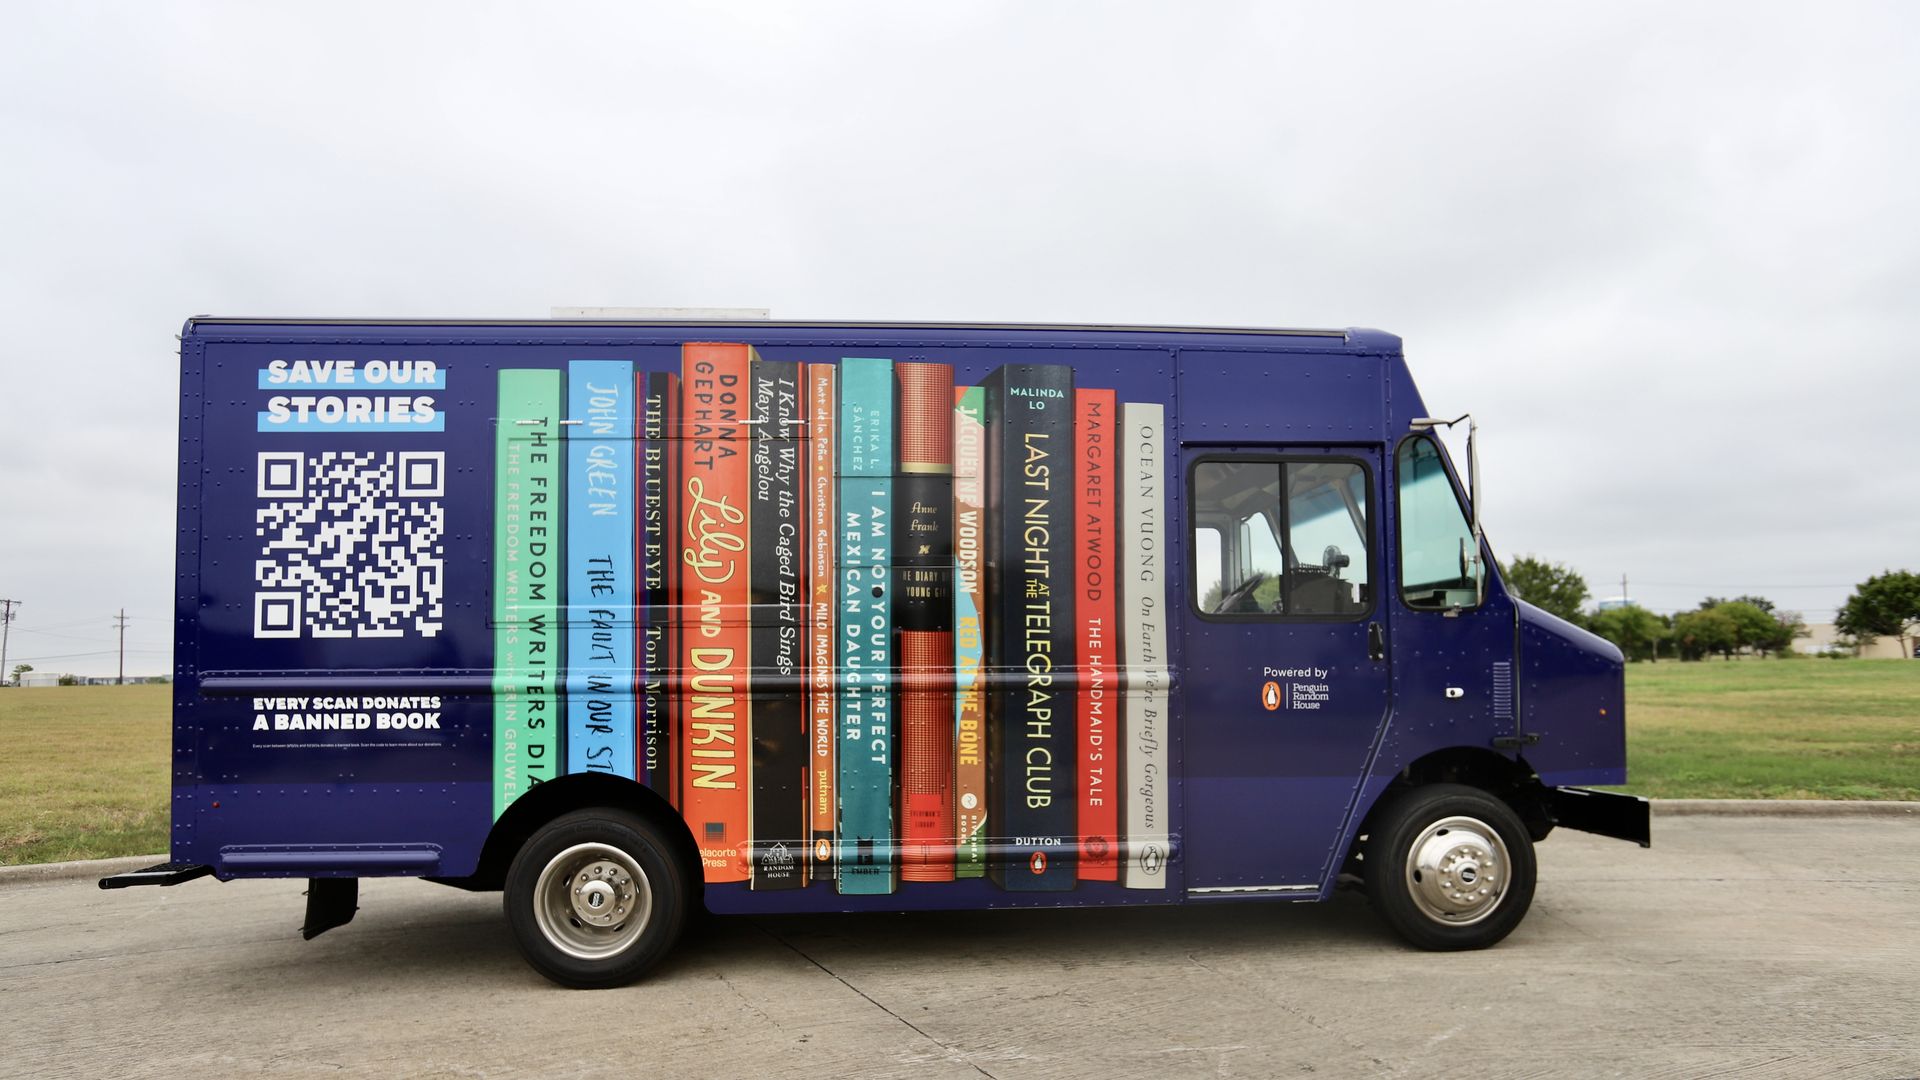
(526, 583)
(864, 838)
(601, 577)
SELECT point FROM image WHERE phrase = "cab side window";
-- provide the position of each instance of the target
(1274, 539)
(1439, 560)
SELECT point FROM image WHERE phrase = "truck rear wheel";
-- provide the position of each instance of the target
(1449, 867)
(596, 898)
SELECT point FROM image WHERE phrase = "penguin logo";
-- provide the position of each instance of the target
(1270, 696)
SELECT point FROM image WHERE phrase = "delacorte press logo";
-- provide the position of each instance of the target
(345, 395)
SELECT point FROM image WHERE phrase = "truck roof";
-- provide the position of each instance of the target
(1356, 338)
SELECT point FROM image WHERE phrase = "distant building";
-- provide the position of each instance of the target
(1822, 638)
(41, 678)
(1612, 602)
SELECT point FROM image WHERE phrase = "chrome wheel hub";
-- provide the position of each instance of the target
(592, 901)
(1457, 871)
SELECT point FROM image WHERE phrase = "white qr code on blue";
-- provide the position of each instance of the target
(351, 544)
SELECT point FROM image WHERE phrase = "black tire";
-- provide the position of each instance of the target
(597, 897)
(1456, 892)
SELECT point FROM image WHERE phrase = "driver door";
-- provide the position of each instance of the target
(1285, 688)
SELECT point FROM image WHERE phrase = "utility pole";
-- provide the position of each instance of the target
(1624, 594)
(6, 628)
(121, 621)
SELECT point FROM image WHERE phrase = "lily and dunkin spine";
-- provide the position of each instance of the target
(864, 837)
(526, 583)
(600, 567)
(822, 542)
(714, 595)
(1099, 698)
(969, 639)
(1143, 627)
(1031, 653)
(776, 800)
(659, 395)
(923, 612)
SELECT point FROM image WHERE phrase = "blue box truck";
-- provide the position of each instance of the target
(630, 618)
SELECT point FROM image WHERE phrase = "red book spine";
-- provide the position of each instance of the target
(822, 803)
(1099, 705)
(923, 612)
(714, 601)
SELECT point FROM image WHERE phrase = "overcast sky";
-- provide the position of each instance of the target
(1670, 258)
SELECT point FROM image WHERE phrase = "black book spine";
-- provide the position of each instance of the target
(775, 643)
(1031, 652)
(656, 531)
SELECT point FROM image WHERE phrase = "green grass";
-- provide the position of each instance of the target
(1774, 729)
(86, 772)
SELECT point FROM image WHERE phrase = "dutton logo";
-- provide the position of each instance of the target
(1038, 862)
(1270, 696)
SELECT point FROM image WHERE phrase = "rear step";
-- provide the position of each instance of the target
(166, 873)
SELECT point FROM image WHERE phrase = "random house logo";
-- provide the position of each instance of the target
(777, 857)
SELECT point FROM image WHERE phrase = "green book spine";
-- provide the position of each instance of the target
(527, 578)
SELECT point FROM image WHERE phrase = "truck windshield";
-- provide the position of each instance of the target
(1439, 565)
(1257, 553)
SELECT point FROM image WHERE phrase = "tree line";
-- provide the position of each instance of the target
(1885, 605)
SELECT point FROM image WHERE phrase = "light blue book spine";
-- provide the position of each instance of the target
(600, 567)
(864, 842)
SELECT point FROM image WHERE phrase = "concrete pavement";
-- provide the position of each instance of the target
(1751, 945)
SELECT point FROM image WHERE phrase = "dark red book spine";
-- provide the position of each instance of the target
(923, 612)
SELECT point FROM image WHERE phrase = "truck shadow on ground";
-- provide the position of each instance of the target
(465, 938)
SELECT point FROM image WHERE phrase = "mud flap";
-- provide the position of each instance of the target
(331, 902)
(1603, 813)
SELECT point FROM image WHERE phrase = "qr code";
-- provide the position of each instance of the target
(350, 544)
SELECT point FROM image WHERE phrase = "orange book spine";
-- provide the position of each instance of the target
(714, 602)
(821, 796)
(1099, 639)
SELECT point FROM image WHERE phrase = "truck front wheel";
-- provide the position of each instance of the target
(596, 898)
(1449, 867)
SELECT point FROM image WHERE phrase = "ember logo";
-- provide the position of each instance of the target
(710, 541)
(1038, 862)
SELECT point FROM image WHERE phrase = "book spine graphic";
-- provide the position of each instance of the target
(864, 836)
(1099, 698)
(1143, 605)
(526, 583)
(1030, 629)
(715, 485)
(969, 641)
(777, 804)
(659, 393)
(600, 567)
(823, 542)
(923, 612)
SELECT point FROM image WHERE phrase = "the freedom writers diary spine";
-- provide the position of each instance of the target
(1099, 697)
(1143, 628)
(659, 400)
(823, 542)
(714, 595)
(778, 807)
(864, 838)
(526, 583)
(923, 613)
(969, 640)
(1030, 625)
(600, 567)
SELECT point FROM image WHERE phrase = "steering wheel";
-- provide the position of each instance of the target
(1242, 594)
